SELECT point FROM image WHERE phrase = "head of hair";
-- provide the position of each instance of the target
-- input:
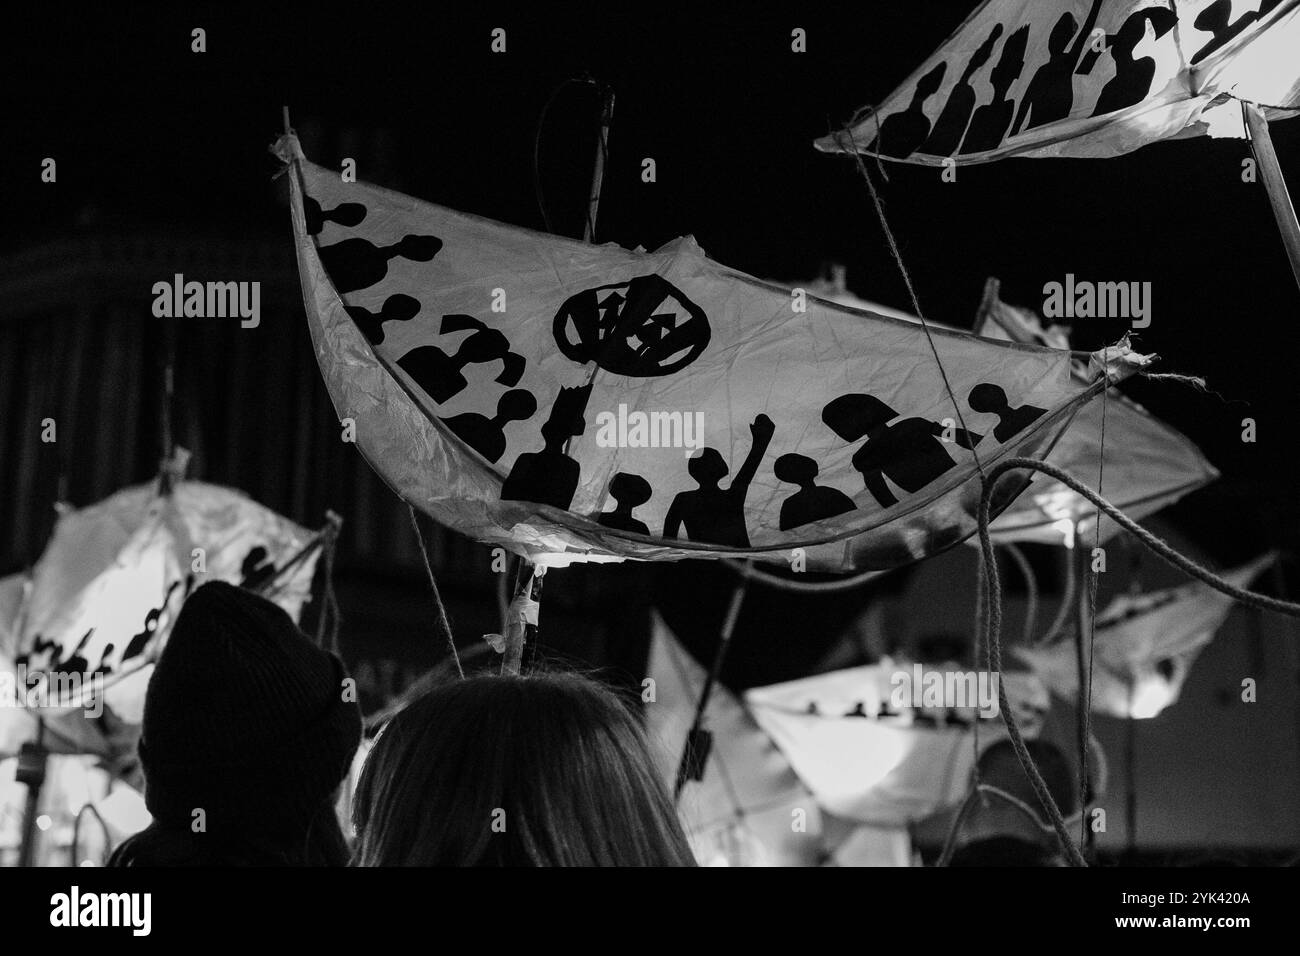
(547, 769)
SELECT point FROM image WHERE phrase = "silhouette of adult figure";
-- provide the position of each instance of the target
(992, 400)
(440, 375)
(910, 453)
(396, 308)
(549, 476)
(487, 435)
(709, 513)
(1050, 94)
(989, 125)
(358, 263)
(812, 502)
(345, 214)
(901, 133)
(630, 492)
(951, 125)
(1132, 80)
(1214, 19)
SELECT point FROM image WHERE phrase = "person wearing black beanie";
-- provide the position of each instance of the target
(248, 732)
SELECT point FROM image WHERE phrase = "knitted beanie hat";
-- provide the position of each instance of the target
(244, 719)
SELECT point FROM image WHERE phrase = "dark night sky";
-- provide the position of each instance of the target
(146, 131)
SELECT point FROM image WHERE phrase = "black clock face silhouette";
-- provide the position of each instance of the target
(645, 327)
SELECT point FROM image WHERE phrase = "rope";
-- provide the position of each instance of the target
(330, 604)
(1067, 600)
(994, 633)
(1195, 381)
(911, 291)
(979, 790)
(804, 587)
(981, 611)
(443, 624)
(537, 146)
(1031, 588)
(1085, 774)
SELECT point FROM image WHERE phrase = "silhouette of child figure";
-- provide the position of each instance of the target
(951, 124)
(487, 435)
(989, 125)
(910, 452)
(358, 263)
(396, 308)
(345, 214)
(549, 476)
(992, 400)
(630, 491)
(901, 133)
(709, 513)
(1132, 80)
(1050, 94)
(811, 502)
(439, 374)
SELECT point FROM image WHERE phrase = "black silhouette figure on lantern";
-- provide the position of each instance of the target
(549, 476)
(396, 308)
(903, 132)
(989, 124)
(643, 328)
(139, 642)
(812, 502)
(630, 492)
(75, 663)
(440, 375)
(487, 435)
(42, 655)
(358, 263)
(992, 400)
(344, 214)
(1133, 77)
(1215, 19)
(711, 514)
(256, 570)
(104, 668)
(1050, 94)
(951, 125)
(910, 452)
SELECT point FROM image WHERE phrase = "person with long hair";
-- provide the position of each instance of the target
(546, 769)
(249, 729)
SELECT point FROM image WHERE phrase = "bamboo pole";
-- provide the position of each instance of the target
(1270, 170)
